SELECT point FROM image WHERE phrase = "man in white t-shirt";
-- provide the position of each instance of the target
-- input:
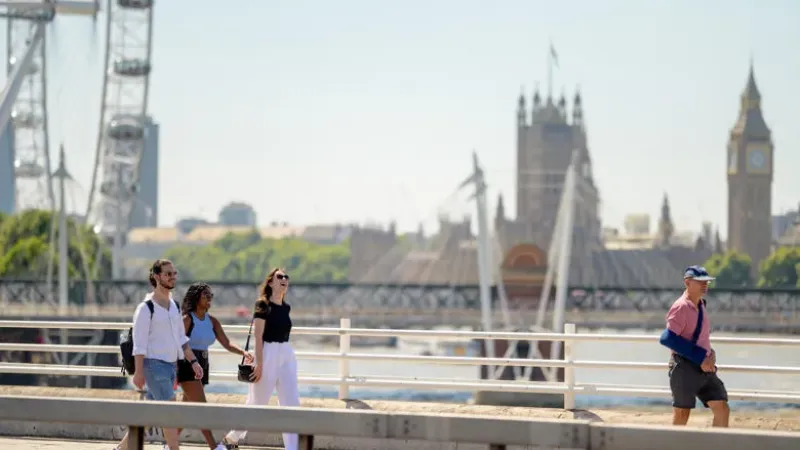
(159, 341)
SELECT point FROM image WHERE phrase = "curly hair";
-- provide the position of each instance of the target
(265, 291)
(193, 295)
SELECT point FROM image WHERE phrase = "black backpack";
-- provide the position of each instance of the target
(126, 346)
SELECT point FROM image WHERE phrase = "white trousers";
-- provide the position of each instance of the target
(279, 371)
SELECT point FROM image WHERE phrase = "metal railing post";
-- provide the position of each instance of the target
(344, 364)
(135, 438)
(306, 442)
(569, 369)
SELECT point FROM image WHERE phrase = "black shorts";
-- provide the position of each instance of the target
(688, 381)
(185, 371)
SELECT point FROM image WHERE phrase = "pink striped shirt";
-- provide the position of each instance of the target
(682, 320)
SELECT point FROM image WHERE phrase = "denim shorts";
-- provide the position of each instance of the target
(159, 376)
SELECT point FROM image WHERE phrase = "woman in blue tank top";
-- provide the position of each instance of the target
(203, 330)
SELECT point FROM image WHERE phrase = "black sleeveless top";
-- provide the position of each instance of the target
(278, 324)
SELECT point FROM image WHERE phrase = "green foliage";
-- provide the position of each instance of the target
(246, 257)
(25, 246)
(781, 269)
(732, 269)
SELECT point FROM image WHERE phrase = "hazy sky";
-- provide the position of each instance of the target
(356, 110)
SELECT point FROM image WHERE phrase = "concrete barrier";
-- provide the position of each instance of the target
(380, 427)
(636, 437)
(308, 422)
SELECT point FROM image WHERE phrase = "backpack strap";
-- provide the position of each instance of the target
(151, 307)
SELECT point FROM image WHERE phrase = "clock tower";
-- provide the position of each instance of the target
(750, 165)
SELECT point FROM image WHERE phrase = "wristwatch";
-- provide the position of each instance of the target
(192, 361)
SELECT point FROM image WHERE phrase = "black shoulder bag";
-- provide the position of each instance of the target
(246, 370)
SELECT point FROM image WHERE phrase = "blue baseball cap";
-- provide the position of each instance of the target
(698, 273)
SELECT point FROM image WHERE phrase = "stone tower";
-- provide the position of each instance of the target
(750, 168)
(546, 137)
(665, 226)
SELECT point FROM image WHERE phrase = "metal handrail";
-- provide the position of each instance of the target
(344, 379)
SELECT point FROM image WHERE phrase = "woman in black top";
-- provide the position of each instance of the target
(276, 366)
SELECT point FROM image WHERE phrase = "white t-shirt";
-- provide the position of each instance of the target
(160, 337)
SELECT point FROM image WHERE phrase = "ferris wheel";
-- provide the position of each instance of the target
(123, 117)
(123, 108)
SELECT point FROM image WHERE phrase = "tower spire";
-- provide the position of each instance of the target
(665, 226)
(577, 108)
(751, 97)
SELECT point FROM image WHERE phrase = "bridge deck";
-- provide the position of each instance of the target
(62, 444)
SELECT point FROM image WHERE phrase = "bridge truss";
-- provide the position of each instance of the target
(126, 294)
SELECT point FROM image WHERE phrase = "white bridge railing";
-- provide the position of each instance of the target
(345, 379)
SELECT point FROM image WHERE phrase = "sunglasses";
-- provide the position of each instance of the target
(281, 276)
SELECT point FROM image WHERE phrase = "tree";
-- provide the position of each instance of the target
(797, 269)
(25, 246)
(732, 269)
(780, 269)
(247, 257)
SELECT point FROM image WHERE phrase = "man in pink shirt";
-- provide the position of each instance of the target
(692, 367)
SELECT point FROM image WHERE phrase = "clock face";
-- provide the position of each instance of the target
(757, 159)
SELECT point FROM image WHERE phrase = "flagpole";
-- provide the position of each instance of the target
(550, 73)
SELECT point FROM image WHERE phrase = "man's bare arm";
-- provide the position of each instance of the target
(187, 352)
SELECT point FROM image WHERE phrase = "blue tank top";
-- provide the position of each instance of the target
(202, 334)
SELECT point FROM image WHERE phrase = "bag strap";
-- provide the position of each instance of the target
(151, 307)
(699, 327)
(247, 344)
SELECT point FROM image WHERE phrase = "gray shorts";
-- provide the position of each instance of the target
(688, 381)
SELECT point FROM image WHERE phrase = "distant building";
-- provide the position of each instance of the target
(750, 167)
(327, 234)
(8, 190)
(600, 258)
(188, 224)
(145, 210)
(789, 231)
(238, 214)
(547, 135)
(783, 223)
(146, 244)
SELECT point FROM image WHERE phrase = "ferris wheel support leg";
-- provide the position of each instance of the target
(17, 76)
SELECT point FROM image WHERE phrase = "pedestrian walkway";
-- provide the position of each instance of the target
(60, 444)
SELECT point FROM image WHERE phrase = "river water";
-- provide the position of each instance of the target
(593, 351)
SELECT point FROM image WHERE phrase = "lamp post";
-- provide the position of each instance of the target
(63, 262)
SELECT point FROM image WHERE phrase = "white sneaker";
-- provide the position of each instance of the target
(225, 445)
